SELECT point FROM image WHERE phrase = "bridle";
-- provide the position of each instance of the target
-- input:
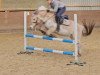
(37, 18)
(36, 22)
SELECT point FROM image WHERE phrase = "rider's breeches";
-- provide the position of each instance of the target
(59, 14)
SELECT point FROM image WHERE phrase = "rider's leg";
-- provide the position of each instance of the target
(61, 12)
(58, 22)
(59, 16)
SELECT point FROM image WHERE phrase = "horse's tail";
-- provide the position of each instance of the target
(87, 28)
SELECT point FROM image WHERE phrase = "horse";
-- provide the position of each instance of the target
(45, 22)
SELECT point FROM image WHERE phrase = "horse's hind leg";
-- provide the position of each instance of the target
(71, 37)
(79, 43)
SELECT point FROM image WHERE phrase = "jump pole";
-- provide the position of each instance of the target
(25, 29)
(76, 37)
(76, 62)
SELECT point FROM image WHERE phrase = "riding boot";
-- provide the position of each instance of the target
(61, 20)
(58, 24)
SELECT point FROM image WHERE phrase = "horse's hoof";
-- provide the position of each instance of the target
(79, 55)
(42, 32)
(52, 36)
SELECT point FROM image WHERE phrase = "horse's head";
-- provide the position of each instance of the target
(35, 12)
(42, 10)
(36, 16)
(38, 13)
(33, 20)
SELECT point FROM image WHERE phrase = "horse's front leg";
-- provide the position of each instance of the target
(79, 41)
(43, 30)
(50, 32)
(33, 26)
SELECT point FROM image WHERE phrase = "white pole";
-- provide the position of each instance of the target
(76, 62)
(25, 30)
(76, 37)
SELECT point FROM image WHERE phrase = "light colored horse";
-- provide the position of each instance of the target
(45, 22)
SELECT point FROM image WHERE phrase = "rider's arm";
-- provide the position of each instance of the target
(56, 3)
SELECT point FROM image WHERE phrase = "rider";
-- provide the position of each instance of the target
(59, 9)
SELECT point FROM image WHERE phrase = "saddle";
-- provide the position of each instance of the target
(60, 21)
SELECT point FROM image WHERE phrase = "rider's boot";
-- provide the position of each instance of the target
(61, 20)
(58, 27)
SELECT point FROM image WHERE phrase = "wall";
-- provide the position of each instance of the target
(0, 4)
(82, 2)
(14, 20)
(22, 4)
(32, 4)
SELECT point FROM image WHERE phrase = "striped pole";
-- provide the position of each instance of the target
(50, 50)
(76, 62)
(50, 38)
